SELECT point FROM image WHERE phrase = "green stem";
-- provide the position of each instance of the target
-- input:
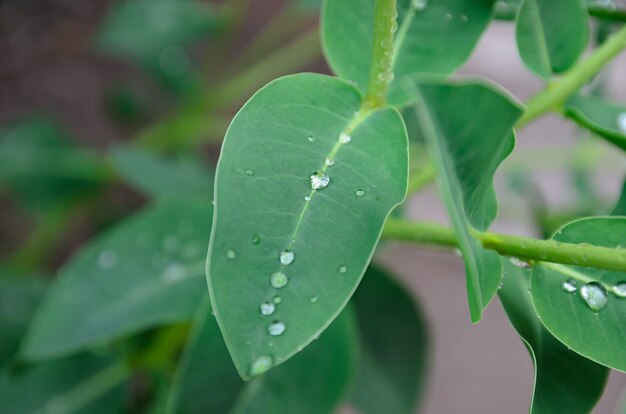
(551, 98)
(504, 11)
(381, 73)
(524, 248)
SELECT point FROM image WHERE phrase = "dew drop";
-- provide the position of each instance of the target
(311, 138)
(287, 257)
(279, 280)
(519, 263)
(343, 269)
(107, 259)
(261, 365)
(230, 254)
(594, 295)
(620, 289)
(344, 138)
(329, 162)
(249, 172)
(313, 299)
(277, 299)
(621, 122)
(419, 5)
(256, 239)
(386, 76)
(307, 198)
(267, 308)
(359, 193)
(276, 328)
(319, 180)
(569, 286)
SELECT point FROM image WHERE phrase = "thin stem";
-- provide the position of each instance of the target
(381, 73)
(525, 248)
(555, 94)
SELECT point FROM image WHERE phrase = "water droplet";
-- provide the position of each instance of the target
(569, 286)
(343, 269)
(249, 172)
(279, 280)
(256, 239)
(344, 138)
(313, 299)
(307, 197)
(231, 254)
(267, 308)
(621, 122)
(419, 5)
(276, 328)
(394, 26)
(277, 299)
(386, 43)
(594, 295)
(319, 180)
(620, 289)
(287, 257)
(447, 17)
(107, 259)
(519, 263)
(261, 365)
(311, 138)
(329, 162)
(359, 193)
(386, 76)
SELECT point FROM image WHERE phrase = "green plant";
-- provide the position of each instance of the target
(310, 172)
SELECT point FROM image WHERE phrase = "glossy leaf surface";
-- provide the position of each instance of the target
(299, 133)
(604, 118)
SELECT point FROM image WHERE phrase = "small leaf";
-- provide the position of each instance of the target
(620, 207)
(564, 381)
(593, 327)
(394, 347)
(433, 37)
(604, 118)
(160, 176)
(303, 186)
(146, 271)
(466, 146)
(551, 34)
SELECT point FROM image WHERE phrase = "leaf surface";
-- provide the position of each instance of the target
(604, 118)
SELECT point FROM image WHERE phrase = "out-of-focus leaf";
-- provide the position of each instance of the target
(161, 176)
(620, 207)
(148, 270)
(564, 380)
(83, 384)
(394, 347)
(604, 118)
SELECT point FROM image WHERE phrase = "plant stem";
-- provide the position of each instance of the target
(524, 248)
(556, 93)
(381, 73)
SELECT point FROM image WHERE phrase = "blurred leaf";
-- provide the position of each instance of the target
(19, 294)
(604, 118)
(125, 105)
(466, 155)
(564, 381)
(394, 347)
(434, 37)
(308, 5)
(620, 207)
(276, 147)
(148, 270)
(313, 382)
(551, 34)
(41, 168)
(80, 384)
(598, 335)
(162, 176)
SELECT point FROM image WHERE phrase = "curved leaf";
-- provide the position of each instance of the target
(564, 381)
(607, 119)
(599, 336)
(146, 271)
(620, 207)
(298, 132)
(466, 155)
(394, 347)
(551, 34)
(433, 37)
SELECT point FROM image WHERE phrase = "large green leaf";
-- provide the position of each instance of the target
(181, 177)
(564, 381)
(314, 382)
(551, 34)
(605, 118)
(468, 132)
(599, 334)
(146, 271)
(434, 37)
(298, 132)
(82, 384)
(394, 347)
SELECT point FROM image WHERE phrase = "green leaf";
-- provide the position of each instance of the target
(146, 271)
(597, 335)
(83, 384)
(551, 34)
(564, 381)
(394, 347)
(314, 382)
(434, 37)
(206, 380)
(620, 207)
(265, 205)
(177, 177)
(466, 146)
(604, 118)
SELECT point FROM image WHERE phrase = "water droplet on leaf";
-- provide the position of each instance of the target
(279, 280)
(329, 162)
(249, 172)
(311, 138)
(344, 138)
(277, 299)
(620, 289)
(287, 257)
(419, 5)
(230, 254)
(267, 308)
(276, 328)
(569, 285)
(307, 198)
(319, 180)
(313, 299)
(256, 239)
(261, 365)
(107, 259)
(519, 263)
(359, 193)
(343, 269)
(594, 295)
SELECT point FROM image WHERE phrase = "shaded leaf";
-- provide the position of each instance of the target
(620, 207)
(146, 271)
(465, 155)
(599, 336)
(394, 347)
(265, 204)
(604, 118)
(564, 380)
